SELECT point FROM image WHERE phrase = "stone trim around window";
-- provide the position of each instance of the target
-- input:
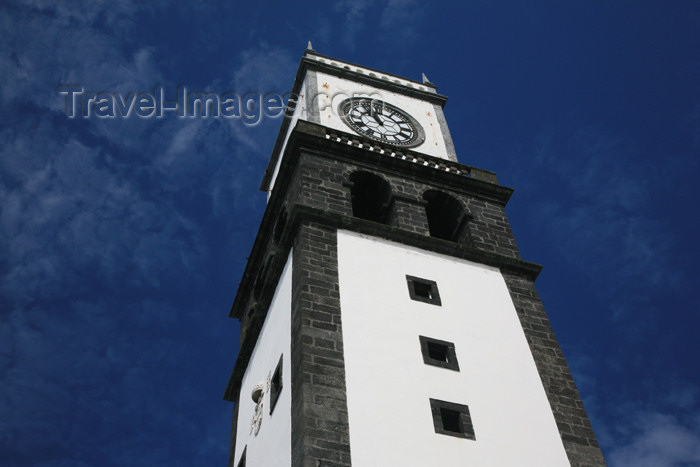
(423, 290)
(438, 353)
(452, 419)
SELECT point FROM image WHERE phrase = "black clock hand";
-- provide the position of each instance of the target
(374, 114)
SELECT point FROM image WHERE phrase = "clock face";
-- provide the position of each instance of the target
(381, 121)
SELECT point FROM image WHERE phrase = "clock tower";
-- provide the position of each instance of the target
(387, 318)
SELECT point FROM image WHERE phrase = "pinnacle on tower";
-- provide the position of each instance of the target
(425, 79)
(310, 47)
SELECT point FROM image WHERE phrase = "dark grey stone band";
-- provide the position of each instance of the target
(449, 145)
(320, 427)
(311, 96)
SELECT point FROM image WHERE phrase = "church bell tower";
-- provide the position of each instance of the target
(387, 318)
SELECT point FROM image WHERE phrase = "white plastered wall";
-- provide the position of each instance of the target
(273, 443)
(389, 386)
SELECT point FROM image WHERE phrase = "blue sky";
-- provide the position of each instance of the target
(123, 239)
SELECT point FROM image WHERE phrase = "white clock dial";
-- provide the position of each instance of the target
(381, 121)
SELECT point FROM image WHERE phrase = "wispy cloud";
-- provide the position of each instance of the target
(388, 23)
(102, 248)
(81, 52)
(399, 21)
(260, 71)
(605, 209)
(658, 440)
(354, 19)
(607, 223)
(663, 430)
(70, 217)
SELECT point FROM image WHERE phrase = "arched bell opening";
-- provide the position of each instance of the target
(447, 219)
(371, 197)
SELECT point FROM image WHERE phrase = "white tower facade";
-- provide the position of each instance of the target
(387, 318)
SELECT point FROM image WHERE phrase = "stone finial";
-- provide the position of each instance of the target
(425, 79)
(310, 47)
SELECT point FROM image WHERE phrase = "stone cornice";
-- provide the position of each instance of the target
(431, 96)
(335, 143)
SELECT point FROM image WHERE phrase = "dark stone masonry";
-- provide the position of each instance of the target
(320, 430)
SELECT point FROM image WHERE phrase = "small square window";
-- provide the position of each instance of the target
(276, 385)
(438, 353)
(452, 419)
(423, 290)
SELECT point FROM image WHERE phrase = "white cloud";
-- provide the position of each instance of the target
(658, 440)
(663, 431)
(260, 71)
(355, 21)
(70, 217)
(388, 23)
(398, 21)
(73, 207)
(80, 52)
(603, 211)
(102, 221)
